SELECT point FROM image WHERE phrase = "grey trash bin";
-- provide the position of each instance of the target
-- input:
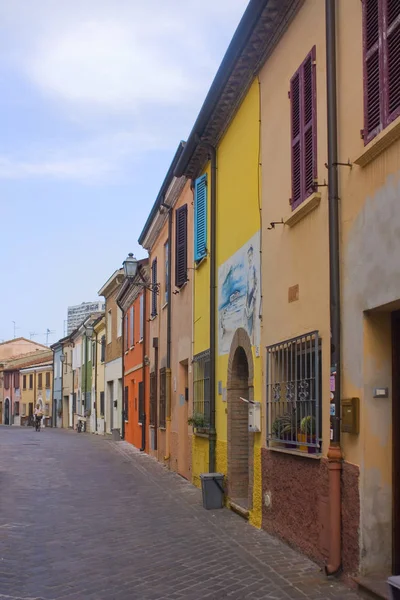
(212, 487)
(115, 435)
(394, 585)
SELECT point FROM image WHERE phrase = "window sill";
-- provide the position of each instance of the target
(201, 434)
(383, 140)
(303, 209)
(162, 428)
(198, 263)
(316, 456)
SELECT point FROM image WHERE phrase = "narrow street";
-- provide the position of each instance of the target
(85, 518)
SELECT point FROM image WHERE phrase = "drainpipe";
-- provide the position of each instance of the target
(334, 452)
(169, 319)
(144, 349)
(213, 239)
(123, 372)
(95, 380)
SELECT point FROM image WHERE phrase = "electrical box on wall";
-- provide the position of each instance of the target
(351, 415)
(254, 417)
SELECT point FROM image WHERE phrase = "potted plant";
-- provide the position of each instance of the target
(198, 422)
(284, 428)
(307, 434)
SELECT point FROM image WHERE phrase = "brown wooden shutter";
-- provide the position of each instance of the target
(181, 246)
(303, 130)
(24, 382)
(16, 380)
(40, 384)
(372, 69)
(153, 398)
(141, 402)
(47, 380)
(163, 396)
(154, 288)
(392, 58)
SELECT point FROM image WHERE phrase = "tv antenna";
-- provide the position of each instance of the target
(48, 333)
(15, 328)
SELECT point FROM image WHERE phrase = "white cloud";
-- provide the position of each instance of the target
(130, 76)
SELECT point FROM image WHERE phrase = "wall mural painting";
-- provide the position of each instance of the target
(239, 295)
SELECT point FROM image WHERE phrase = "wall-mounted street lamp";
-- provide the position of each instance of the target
(63, 359)
(130, 265)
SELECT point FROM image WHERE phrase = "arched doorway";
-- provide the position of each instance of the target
(240, 440)
(7, 412)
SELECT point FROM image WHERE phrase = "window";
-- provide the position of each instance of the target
(126, 332)
(47, 380)
(74, 402)
(141, 402)
(154, 288)
(23, 413)
(6, 381)
(381, 31)
(109, 327)
(166, 271)
(126, 403)
(141, 315)
(303, 130)
(294, 393)
(181, 246)
(16, 381)
(119, 322)
(16, 409)
(31, 381)
(153, 398)
(89, 350)
(102, 404)
(132, 326)
(24, 382)
(201, 389)
(40, 382)
(200, 218)
(163, 397)
(103, 349)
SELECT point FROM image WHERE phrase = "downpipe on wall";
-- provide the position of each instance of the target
(213, 239)
(334, 453)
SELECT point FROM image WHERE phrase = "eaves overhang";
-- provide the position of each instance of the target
(262, 25)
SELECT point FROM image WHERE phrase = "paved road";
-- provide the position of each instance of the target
(86, 518)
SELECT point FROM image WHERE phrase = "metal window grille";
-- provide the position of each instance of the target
(163, 396)
(201, 389)
(102, 404)
(153, 398)
(141, 402)
(126, 403)
(294, 393)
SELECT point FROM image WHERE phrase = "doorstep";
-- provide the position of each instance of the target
(239, 508)
(373, 587)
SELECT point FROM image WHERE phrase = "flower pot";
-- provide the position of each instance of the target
(306, 439)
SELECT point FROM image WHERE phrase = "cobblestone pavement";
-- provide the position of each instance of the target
(85, 518)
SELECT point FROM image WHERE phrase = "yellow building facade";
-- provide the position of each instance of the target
(37, 388)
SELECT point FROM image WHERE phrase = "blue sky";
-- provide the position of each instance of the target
(95, 97)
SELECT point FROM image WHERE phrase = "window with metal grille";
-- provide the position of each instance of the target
(153, 398)
(200, 218)
(294, 393)
(154, 288)
(24, 382)
(126, 403)
(47, 380)
(102, 404)
(74, 402)
(303, 130)
(381, 41)
(163, 397)
(141, 402)
(181, 246)
(201, 390)
(40, 381)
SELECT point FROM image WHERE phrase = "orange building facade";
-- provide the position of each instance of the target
(133, 301)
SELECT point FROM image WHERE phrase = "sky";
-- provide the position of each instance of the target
(95, 97)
